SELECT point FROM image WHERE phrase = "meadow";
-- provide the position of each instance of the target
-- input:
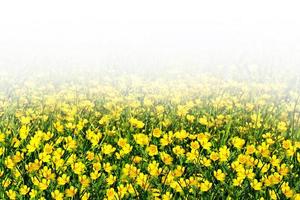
(195, 137)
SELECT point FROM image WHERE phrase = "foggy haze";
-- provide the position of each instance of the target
(149, 36)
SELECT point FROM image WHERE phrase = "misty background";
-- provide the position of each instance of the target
(150, 37)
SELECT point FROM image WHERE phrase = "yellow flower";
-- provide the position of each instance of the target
(166, 158)
(291, 151)
(24, 189)
(94, 175)
(2, 137)
(107, 167)
(181, 134)
(238, 181)
(214, 156)
(122, 142)
(57, 195)
(156, 132)
(62, 180)
(160, 109)
(84, 181)
(224, 153)
(282, 127)
(48, 148)
(78, 168)
(126, 149)
(71, 160)
(2, 149)
(178, 171)
(90, 155)
(242, 158)
(141, 139)
(286, 190)
(94, 138)
(275, 178)
(47, 173)
(104, 120)
(154, 169)
(206, 162)
(33, 193)
(97, 166)
(58, 126)
(33, 166)
(190, 118)
(283, 169)
(238, 142)
(11, 194)
(263, 149)
(70, 192)
(136, 123)
(166, 122)
(152, 150)
(137, 159)
(71, 144)
(287, 144)
(18, 157)
(111, 179)
(256, 185)
(43, 184)
(85, 196)
(275, 161)
(122, 190)
(296, 196)
(130, 170)
(205, 143)
(167, 196)
(249, 174)
(192, 181)
(9, 163)
(205, 186)
(265, 168)
(272, 194)
(130, 189)
(203, 120)
(176, 186)
(178, 150)
(23, 132)
(192, 156)
(219, 175)
(297, 144)
(108, 149)
(16, 143)
(110, 193)
(167, 139)
(195, 145)
(6, 182)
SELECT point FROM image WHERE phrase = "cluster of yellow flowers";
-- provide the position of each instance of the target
(199, 138)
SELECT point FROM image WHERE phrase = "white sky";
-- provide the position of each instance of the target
(146, 33)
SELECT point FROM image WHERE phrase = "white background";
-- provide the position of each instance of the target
(137, 34)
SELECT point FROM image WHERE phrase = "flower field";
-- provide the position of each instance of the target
(131, 138)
